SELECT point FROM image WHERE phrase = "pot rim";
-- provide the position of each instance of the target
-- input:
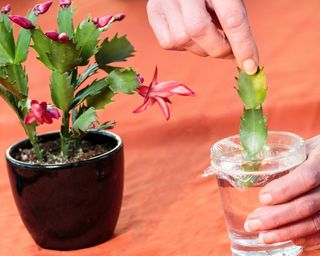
(299, 149)
(297, 146)
(64, 165)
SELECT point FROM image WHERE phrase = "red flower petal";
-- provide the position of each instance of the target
(164, 107)
(30, 118)
(147, 104)
(54, 113)
(47, 118)
(166, 89)
(155, 78)
(143, 90)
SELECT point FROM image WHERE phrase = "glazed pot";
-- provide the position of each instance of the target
(69, 206)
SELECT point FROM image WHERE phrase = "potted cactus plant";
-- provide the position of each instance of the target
(68, 185)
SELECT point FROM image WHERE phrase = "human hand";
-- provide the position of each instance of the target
(205, 27)
(292, 204)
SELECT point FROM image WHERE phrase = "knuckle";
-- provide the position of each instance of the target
(316, 223)
(305, 208)
(310, 178)
(197, 28)
(220, 52)
(233, 19)
(182, 39)
(167, 45)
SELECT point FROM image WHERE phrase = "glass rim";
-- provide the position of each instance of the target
(216, 153)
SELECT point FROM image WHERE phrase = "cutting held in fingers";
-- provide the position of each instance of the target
(234, 21)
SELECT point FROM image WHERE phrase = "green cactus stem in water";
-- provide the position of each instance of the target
(252, 90)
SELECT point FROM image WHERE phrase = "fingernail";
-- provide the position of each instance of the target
(249, 66)
(265, 198)
(252, 225)
(268, 238)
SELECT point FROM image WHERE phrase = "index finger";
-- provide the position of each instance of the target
(299, 181)
(234, 21)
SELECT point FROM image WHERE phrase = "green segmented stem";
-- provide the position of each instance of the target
(252, 90)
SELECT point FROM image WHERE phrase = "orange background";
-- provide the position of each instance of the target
(168, 208)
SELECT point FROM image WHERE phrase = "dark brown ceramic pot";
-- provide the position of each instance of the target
(69, 206)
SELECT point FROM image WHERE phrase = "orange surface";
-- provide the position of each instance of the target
(168, 208)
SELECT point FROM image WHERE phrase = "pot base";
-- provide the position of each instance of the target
(70, 206)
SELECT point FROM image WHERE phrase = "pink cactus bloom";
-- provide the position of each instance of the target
(65, 3)
(160, 93)
(22, 21)
(40, 113)
(63, 38)
(42, 8)
(6, 9)
(53, 35)
(102, 22)
(119, 16)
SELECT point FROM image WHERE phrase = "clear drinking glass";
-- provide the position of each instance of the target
(240, 181)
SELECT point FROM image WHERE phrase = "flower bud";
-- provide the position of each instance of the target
(95, 20)
(6, 9)
(54, 112)
(65, 3)
(42, 8)
(102, 22)
(119, 17)
(22, 21)
(63, 38)
(53, 35)
(140, 79)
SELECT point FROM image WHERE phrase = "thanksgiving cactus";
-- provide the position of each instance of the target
(252, 90)
(63, 50)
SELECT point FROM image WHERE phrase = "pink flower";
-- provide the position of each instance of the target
(160, 93)
(22, 21)
(55, 36)
(42, 8)
(119, 16)
(102, 22)
(6, 9)
(40, 113)
(65, 3)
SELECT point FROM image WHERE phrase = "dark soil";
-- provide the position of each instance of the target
(51, 151)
